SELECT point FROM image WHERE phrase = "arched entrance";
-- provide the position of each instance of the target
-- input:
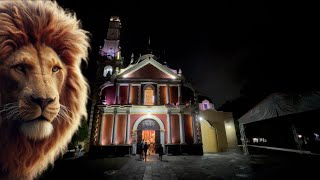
(158, 129)
(149, 131)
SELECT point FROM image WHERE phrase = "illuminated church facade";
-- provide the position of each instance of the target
(146, 100)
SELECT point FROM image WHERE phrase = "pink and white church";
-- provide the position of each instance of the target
(145, 100)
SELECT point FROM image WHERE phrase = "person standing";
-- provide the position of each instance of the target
(141, 147)
(160, 151)
(145, 149)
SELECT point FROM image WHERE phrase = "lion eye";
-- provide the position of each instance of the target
(20, 67)
(55, 69)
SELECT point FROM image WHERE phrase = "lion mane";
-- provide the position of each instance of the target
(26, 25)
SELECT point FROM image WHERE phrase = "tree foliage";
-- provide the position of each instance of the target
(80, 135)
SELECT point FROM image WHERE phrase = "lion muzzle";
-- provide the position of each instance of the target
(42, 102)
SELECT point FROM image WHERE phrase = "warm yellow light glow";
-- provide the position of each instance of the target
(148, 96)
(118, 55)
(228, 125)
(172, 77)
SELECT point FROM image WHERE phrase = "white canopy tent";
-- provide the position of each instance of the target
(279, 104)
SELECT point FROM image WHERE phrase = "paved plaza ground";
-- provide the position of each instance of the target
(228, 165)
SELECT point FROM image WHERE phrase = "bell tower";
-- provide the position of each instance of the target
(111, 47)
(111, 50)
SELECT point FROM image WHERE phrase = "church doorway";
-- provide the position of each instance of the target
(149, 136)
(149, 131)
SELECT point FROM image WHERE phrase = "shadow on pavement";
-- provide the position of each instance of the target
(84, 167)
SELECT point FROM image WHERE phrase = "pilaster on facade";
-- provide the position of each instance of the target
(97, 133)
(169, 139)
(128, 128)
(198, 126)
(158, 94)
(91, 118)
(117, 93)
(114, 128)
(162, 131)
(101, 130)
(194, 128)
(179, 94)
(168, 94)
(129, 94)
(139, 95)
(182, 132)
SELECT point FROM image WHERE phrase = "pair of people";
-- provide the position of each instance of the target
(143, 149)
(140, 149)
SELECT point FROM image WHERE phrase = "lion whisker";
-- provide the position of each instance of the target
(13, 111)
(58, 118)
(8, 107)
(14, 114)
(10, 111)
(9, 104)
(64, 114)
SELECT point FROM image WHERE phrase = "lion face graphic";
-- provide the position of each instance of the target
(43, 93)
(34, 76)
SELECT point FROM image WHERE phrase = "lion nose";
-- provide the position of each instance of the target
(42, 102)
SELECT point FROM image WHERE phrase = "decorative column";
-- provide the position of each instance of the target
(169, 129)
(129, 93)
(91, 117)
(96, 133)
(194, 129)
(117, 93)
(179, 94)
(114, 129)
(168, 94)
(139, 94)
(101, 130)
(182, 134)
(128, 128)
(243, 139)
(162, 137)
(134, 142)
(158, 94)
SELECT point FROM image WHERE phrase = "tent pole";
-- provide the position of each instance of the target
(296, 137)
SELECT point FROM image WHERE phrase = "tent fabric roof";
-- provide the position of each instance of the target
(281, 104)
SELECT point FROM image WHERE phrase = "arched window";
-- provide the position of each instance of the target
(149, 95)
(106, 70)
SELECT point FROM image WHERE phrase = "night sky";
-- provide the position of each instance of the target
(226, 49)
